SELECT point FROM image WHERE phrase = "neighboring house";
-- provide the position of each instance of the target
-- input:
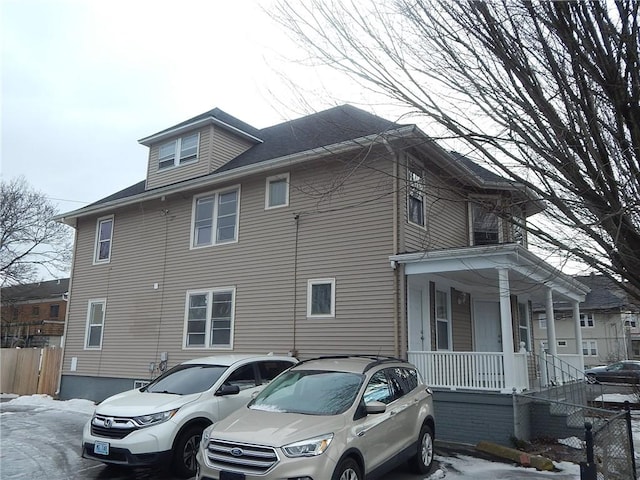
(336, 233)
(33, 314)
(608, 322)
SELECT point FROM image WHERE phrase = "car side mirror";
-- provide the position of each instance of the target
(228, 390)
(376, 407)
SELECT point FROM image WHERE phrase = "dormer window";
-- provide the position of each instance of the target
(485, 222)
(179, 151)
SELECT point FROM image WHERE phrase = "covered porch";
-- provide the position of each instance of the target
(468, 316)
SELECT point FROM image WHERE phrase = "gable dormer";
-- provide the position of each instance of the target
(196, 147)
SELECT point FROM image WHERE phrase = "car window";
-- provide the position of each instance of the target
(378, 389)
(186, 379)
(271, 369)
(403, 380)
(244, 377)
(615, 367)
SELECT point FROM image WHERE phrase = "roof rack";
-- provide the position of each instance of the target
(375, 359)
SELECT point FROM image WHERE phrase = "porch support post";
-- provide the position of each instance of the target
(551, 325)
(578, 331)
(507, 328)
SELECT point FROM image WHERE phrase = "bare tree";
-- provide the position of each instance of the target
(30, 241)
(545, 93)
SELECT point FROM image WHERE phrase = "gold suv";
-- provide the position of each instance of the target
(338, 418)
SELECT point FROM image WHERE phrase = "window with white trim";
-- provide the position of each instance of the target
(95, 323)
(104, 236)
(277, 191)
(562, 343)
(518, 227)
(542, 321)
(209, 318)
(215, 218)
(179, 151)
(416, 180)
(590, 348)
(523, 325)
(321, 297)
(443, 321)
(485, 223)
(586, 320)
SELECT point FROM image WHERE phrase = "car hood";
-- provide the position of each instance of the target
(274, 428)
(134, 403)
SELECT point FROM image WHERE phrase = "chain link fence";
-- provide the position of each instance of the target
(609, 446)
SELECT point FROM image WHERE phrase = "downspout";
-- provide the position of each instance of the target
(68, 309)
(396, 227)
(294, 349)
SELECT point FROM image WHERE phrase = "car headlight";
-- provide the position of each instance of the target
(308, 448)
(154, 418)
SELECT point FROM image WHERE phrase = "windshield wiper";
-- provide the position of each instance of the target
(164, 391)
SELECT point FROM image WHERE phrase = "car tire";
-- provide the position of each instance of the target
(185, 448)
(348, 469)
(423, 459)
(591, 378)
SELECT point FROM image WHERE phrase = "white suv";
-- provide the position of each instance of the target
(163, 421)
(338, 418)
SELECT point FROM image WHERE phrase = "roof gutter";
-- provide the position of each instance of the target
(231, 175)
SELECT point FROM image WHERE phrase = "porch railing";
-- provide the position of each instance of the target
(471, 370)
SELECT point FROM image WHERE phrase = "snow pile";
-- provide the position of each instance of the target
(45, 401)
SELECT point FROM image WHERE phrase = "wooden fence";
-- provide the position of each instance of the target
(25, 371)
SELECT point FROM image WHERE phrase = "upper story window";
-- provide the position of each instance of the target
(321, 297)
(54, 310)
(209, 318)
(485, 223)
(104, 235)
(416, 194)
(518, 231)
(215, 218)
(35, 310)
(586, 320)
(277, 191)
(176, 152)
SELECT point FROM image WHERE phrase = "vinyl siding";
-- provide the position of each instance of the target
(345, 232)
(225, 147)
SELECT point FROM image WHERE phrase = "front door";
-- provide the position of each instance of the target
(419, 336)
(486, 317)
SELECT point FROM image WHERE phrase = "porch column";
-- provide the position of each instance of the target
(551, 325)
(578, 331)
(507, 328)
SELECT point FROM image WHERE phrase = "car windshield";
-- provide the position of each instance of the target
(310, 392)
(186, 379)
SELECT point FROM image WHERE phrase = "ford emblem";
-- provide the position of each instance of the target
(237, 452)
(108, 422)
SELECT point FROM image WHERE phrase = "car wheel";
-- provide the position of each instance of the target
(423, 458)
(347, 470)
(184, 452)
(591, 378)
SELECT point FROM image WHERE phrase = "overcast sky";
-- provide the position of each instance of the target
(82, 81)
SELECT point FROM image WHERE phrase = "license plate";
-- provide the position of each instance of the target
(101, 448)
(231, 476)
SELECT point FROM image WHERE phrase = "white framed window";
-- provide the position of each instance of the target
(277, 191)
(104, 237)
(321, 298)
(523, 325)
(630, 323)
(95, 324)
(542, 321)
(586, 320)
(209, 318)
(485, 222)
(179, 151)
(518, 227)
(443, 321)
(215, 218)
(590, 348)
(562, 343)
(416, 185)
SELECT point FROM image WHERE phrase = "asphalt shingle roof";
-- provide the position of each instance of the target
(35, 291)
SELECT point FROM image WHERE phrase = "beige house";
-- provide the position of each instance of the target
(609, 324)
(336, 233)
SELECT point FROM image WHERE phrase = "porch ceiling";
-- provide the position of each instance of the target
(477, 268)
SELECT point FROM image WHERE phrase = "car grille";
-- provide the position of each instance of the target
(111, 427)
(252, 459)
